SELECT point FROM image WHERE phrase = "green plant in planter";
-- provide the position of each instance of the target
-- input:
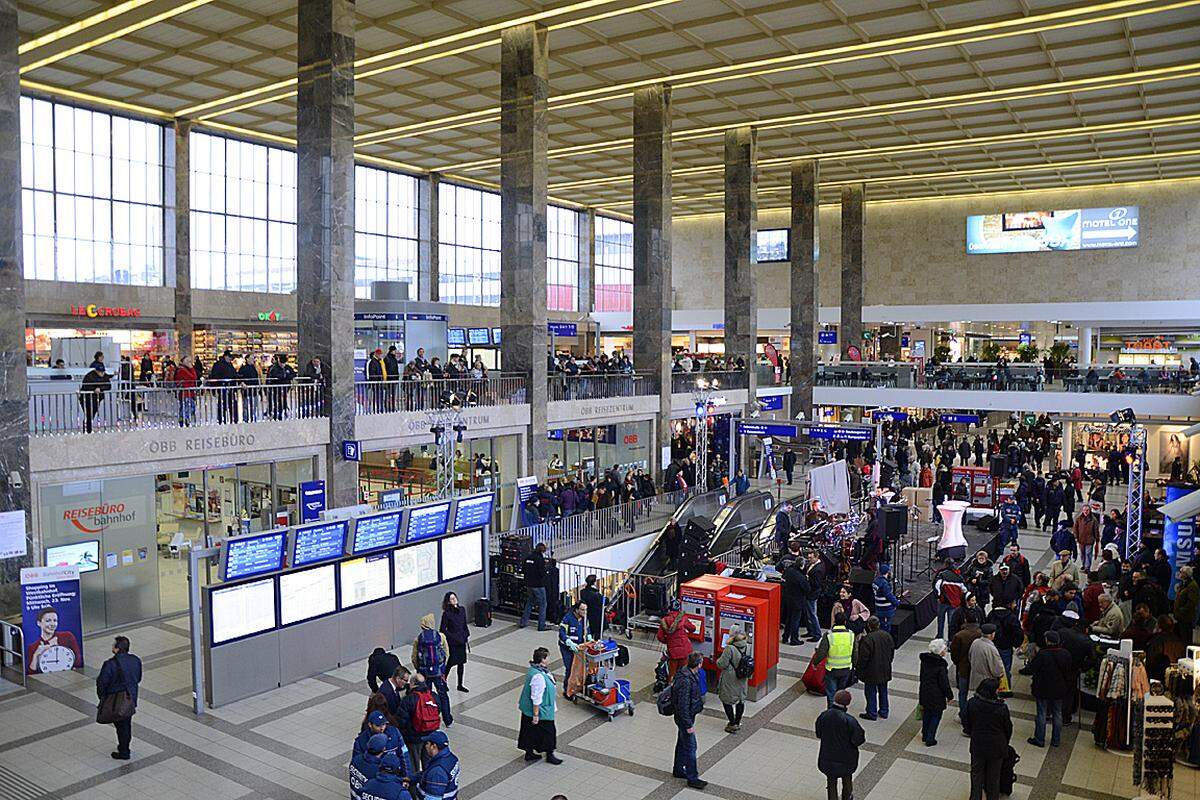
(989, 352)
(941, 353)
(1027, 354)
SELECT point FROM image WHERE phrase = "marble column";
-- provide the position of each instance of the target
(850, 332)
(325, 219)
(587, 261)
(741, 223)
(524, 89)
(428, 271)
(14, 405)
(181, 245)
(805, 300)
(652, 252)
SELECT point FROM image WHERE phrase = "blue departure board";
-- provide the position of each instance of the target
(473, 512)
(427, 522)
(316, 543)
(247, 556)
(375, 532)
(478, 336)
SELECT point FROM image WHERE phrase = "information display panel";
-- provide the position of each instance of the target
(456, 337)
(242, 610)
(427, 522)
(247, 556)
(473, 512)
(312, 544)
(376, 532)
(415, 566)
(85, 555)
(365, 579)
(306, 594)
(479, 337)
(462, 554)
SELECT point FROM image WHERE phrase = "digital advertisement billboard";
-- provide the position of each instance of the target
(1045, 231)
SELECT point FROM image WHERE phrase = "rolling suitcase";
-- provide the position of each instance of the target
(483, 613)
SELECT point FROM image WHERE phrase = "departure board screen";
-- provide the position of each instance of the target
(473, 512)
(242, 610)
(247, 556)
(307, 593)
(316, 543)
(376, 532)
(427, 522)
(365, 579)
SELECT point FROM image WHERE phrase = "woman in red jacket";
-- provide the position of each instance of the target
(675, 632)
(185, 382)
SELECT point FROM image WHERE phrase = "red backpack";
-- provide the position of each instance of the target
(426, 717)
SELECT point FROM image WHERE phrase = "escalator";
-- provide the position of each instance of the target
(704, 506)
(739, 520)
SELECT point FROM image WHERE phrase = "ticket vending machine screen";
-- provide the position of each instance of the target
(734, 615)
(700, 611)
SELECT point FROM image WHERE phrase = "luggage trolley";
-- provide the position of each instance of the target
(601, 663)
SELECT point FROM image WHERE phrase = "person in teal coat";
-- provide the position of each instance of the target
(537, 703)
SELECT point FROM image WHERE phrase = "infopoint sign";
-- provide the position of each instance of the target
(1045, 231)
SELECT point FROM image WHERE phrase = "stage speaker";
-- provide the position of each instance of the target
(893, 519)
(903, 625)
(861, 588)
(998, 466)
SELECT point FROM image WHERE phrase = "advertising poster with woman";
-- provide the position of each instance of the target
(51, 619)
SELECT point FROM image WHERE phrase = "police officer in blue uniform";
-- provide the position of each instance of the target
(390, 783)
(365, 765)
(885, 597)
(439, 779)
(1010, 519)
(377, 723)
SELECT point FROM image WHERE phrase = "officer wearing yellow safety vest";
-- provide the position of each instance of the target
(838, 649)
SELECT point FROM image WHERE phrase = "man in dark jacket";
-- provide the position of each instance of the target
(222, 376)
(815, 571)
(783, 526)
(91, 392)
(841, 735)
(1077, 643)
(689, 702)
(590, 596)
(122, 672)
(989, 725)
(796, 589)
(1018, 564)
(876, 649)
(381, 665)
(1005, 587)
(535, 586)
(393, 689)
(1009, 635)
(1052, 675)
(789, 464)
(960, 654)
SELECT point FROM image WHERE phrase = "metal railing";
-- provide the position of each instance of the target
(682, 382)
(12, 653)
(119, 406)
(388, 397)
(874, 374)
(599, 386)
(625, 595)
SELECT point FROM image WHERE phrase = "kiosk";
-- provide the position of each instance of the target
(698, 604)
(713, 604)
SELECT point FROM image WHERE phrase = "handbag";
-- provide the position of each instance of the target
(118, 706)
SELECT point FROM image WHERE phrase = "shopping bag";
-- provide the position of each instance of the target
(814, 678)
(1004, 684)
(575, 679)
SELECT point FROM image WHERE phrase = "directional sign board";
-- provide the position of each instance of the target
(888, 416)
(960, 419)
(766, 429)
(839, 433)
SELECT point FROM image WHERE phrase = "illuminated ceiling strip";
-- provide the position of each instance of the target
(439, 42)
(970, 195)
(58, 91)
(953, 174)
(81, 25)
(917, 147)
(117, 34)
(899, 107)
(819, 58)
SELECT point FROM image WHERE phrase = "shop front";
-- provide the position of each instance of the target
(572, 452)
(480, 464)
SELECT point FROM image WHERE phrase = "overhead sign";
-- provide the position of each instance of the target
(1043, 231)
(92, 310)
(826, 337)
(766, 429)
(1150, 344)
(888, 416)
(772, 403)
(351, 450)
(562, 328)
(839, 433)
(312, 500)
(960, 419)
(274, 315)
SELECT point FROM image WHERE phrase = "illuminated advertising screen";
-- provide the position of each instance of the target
(242, 610)
(415, 566)
(473, 512)
(306, 594)
(85, 555)
(462, 554)
(427, 522)
(375, 532)
(1046, 231)
(313, 544)
(247, 556)
(365, 579)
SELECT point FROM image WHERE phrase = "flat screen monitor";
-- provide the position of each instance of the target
(365, 579)
(242, 610)
(479, 337)
(456, 337)
(85, 555)
(427, 522)
(462, 554)
(247, 556)
(473, 512)
(415, 566)
(307, 594)
(496, 336)
(376, 532)
(312, 544)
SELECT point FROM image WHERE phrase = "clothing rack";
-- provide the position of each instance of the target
(1118, 664)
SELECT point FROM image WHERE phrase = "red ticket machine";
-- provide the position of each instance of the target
(755, 606)
(698, 604)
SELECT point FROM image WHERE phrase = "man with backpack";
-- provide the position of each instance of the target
(951, 591)
(430, 652)
(684, 701)
(417, 716)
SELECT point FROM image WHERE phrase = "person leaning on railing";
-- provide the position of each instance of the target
(185, 382)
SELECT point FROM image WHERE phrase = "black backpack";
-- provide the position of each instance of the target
(745, 667)
(666, 703)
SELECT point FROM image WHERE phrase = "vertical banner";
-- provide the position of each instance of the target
(312, 500)
(1179, 537)
(525, 489)
(51, 619)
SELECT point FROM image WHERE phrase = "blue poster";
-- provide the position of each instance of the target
(1179, 537)
(51, 619)
(312, 500)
